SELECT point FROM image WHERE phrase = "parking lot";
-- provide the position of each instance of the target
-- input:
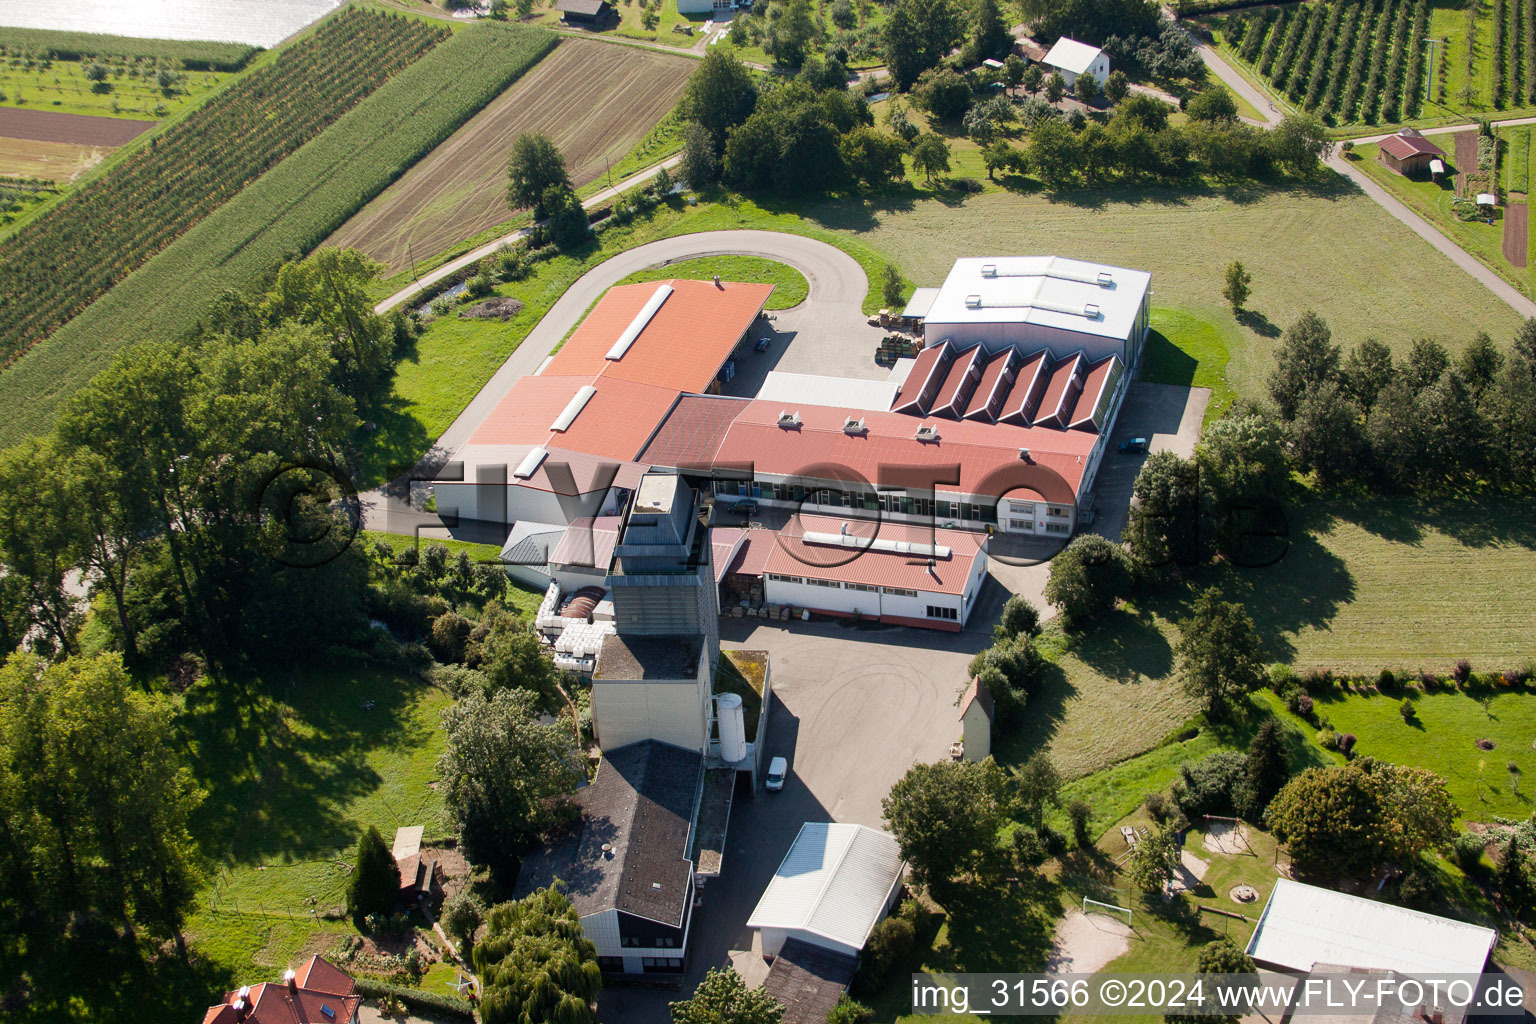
(853, 708)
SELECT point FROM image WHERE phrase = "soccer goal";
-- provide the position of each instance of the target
(1098, 906)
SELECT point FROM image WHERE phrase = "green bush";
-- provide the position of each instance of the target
(888, 945)
(428, 1003)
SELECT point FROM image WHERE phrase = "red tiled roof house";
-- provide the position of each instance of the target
(319, 992)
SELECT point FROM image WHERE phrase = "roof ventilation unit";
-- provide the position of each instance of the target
(973, 302)
(531, 463)
(853, 426)
(927, 432)
(1105, 279)
(789, 420)
(989, 270)
(1024, 455)
(1091, 311)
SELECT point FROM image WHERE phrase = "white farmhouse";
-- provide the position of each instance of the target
(1071, 58)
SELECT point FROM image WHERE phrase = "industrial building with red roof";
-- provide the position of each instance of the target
(1003, 431)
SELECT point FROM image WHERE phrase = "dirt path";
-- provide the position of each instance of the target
(1517, 229)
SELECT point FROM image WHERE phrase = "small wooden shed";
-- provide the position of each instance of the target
(976, 721)
(585, 12)
(1409, 154)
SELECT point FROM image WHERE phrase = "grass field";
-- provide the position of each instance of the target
(1432, 200)
(1517, 158)
(595, 101)
(288, 210)
(1315, 246)
(789, 285)
(631, 22)
(128, 91)
(291, 784)
(1363, 585)
(1198, 360)
(61, 162)
(1442, 737)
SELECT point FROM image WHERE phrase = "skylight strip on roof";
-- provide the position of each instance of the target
(638, 324)
(531, 463)
(577, 403)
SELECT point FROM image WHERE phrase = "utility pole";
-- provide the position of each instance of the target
(1429, 79)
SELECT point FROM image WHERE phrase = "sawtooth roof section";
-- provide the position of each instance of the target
(996, 379)
(1023, 401)
(960, 383)
(923, 380)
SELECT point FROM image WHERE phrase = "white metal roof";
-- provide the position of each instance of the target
(1051, 291)
(922, 300)
(1303, 925)
(796, 389)
(1071, 55)
(833, 882)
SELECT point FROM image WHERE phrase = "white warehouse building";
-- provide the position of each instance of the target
(1062, 305)
(1070, 58)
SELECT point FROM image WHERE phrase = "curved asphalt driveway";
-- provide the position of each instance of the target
(833, 306)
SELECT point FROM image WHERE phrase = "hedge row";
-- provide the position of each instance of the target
(60, 45)
(286, 212)
(416, 999)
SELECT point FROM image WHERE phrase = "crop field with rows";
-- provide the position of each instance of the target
(1354, 61)
(287, 211)
(56, 266)
(1390, 61)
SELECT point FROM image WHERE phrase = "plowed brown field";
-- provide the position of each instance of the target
(593, 99)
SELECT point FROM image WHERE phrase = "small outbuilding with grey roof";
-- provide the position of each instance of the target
(586, 13)
(1303, 926)
(625, 863)
(834, 885)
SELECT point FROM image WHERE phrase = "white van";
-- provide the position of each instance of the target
(777, 769)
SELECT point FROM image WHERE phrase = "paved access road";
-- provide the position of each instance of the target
(831, 309)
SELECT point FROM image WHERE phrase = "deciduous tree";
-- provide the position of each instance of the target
(720, 94)
(1219, 654)
(505, 776)
(534, 166)
(946, 817)
(1163, 525)
(1086, 578)
(930, 156)
(1306, 359)
(536, 965)
(1235, 286)
(723, 998)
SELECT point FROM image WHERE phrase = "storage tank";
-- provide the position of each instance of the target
(733, 727)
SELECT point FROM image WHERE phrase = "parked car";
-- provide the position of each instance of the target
(778, 768)
(1135, 446)
(763, 343)
(747, 506)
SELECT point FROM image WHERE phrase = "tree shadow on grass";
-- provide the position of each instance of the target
(1258, 323)
(1163, 362)
(1002, 924)
(1474, 520)
(121, 985)
(1042, 715)
(393, 446)
(282, 770)
(1126, 647)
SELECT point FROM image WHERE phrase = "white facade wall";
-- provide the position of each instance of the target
(703, 6)
(468, 501)
(672, 711)
(1099, 70)
(884, 601)
(603, 931)
(976, 732)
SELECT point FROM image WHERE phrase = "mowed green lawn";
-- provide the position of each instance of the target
(1432, 200)
(293, 777)
(1442, 736)
(1360, 586)
(1325, 247)
(789, 285)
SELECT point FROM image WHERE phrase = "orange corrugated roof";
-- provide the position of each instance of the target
(792, 556)
(987, 454)
(684, 345)
(616, 422)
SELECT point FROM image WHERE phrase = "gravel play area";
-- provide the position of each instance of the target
(1086, 942)
(1225, 838)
